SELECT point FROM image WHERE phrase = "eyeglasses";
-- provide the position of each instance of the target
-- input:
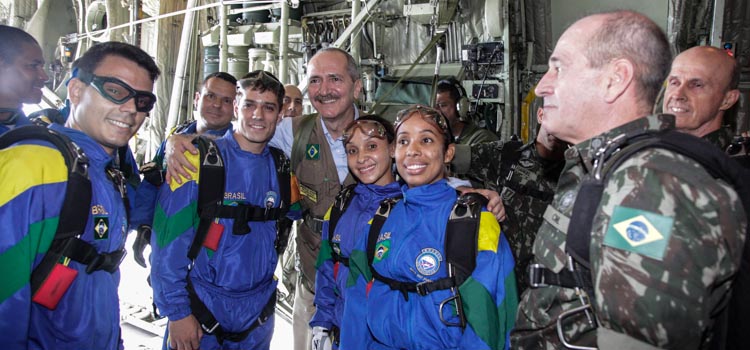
(368, 128)
(428, 114)
(118, 92)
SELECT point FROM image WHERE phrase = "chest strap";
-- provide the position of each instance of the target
(420, 288)
(211, 326)
(242, 214)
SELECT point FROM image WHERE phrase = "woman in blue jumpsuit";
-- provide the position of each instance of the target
(369, 145)
(410, 248)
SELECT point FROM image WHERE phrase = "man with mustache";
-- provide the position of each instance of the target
(334, 85)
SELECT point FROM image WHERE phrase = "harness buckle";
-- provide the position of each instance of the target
(108, 261)
(560, 334)
(212, 329)
(536, 276)
(420, 287)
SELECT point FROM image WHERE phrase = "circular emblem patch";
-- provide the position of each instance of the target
(428, 261)
(637, 231)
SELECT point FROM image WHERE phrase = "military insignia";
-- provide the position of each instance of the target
(337, 247)
(639, 231)
(381, 250)
(101, 227)
(428, 261)
(313, 151)
(308, 193)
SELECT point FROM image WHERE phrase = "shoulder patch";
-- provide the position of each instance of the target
(194, 161)
(639, 231)
(489, 232)
(312, 151)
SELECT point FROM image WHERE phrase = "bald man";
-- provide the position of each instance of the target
(292, 102)
(701, 86)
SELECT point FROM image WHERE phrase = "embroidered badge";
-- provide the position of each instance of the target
(381, 250)
(638, 231)
(428, 261)
(101, 227)
(308, 193)
(313, 151)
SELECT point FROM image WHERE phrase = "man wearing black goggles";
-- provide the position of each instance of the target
(118, 92)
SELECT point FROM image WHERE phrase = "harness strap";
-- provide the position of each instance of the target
(540, 276)
(241, 213)
(77, 201)
(211, 326)
(313, 222)
(420, 288)
(343, 199)
(210, 192)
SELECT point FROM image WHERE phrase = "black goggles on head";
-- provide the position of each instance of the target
(428, 114)
(118, 92)
(368, 127)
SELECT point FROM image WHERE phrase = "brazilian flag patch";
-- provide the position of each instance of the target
(101, 227)
(381, 250)
(638, 231)
(312, 152)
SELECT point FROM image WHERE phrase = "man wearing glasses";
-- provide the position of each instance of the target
(214, 111)
(226, 296)
(109, 98)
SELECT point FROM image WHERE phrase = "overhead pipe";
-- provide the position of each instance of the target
(284, 43)
(717, 24)
(175, 102)
(355, 37)
(223, 29)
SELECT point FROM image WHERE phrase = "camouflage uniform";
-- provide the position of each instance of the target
(472, 134)
(659, 288)
(526, 187)
(721, 137)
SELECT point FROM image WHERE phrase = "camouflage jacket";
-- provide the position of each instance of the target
(473, 134)
(664, 239)
(526, 187)
(721, 137)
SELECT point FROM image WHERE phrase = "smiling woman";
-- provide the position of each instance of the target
(413, 299)
(423, 145)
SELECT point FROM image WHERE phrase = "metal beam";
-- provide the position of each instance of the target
(284, 43)
(717, 24)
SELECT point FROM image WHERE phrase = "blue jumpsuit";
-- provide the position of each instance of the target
(21, 120)
(331, 294)
(34, 178)
(410, 248)
(236, 280)
(145, 195)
